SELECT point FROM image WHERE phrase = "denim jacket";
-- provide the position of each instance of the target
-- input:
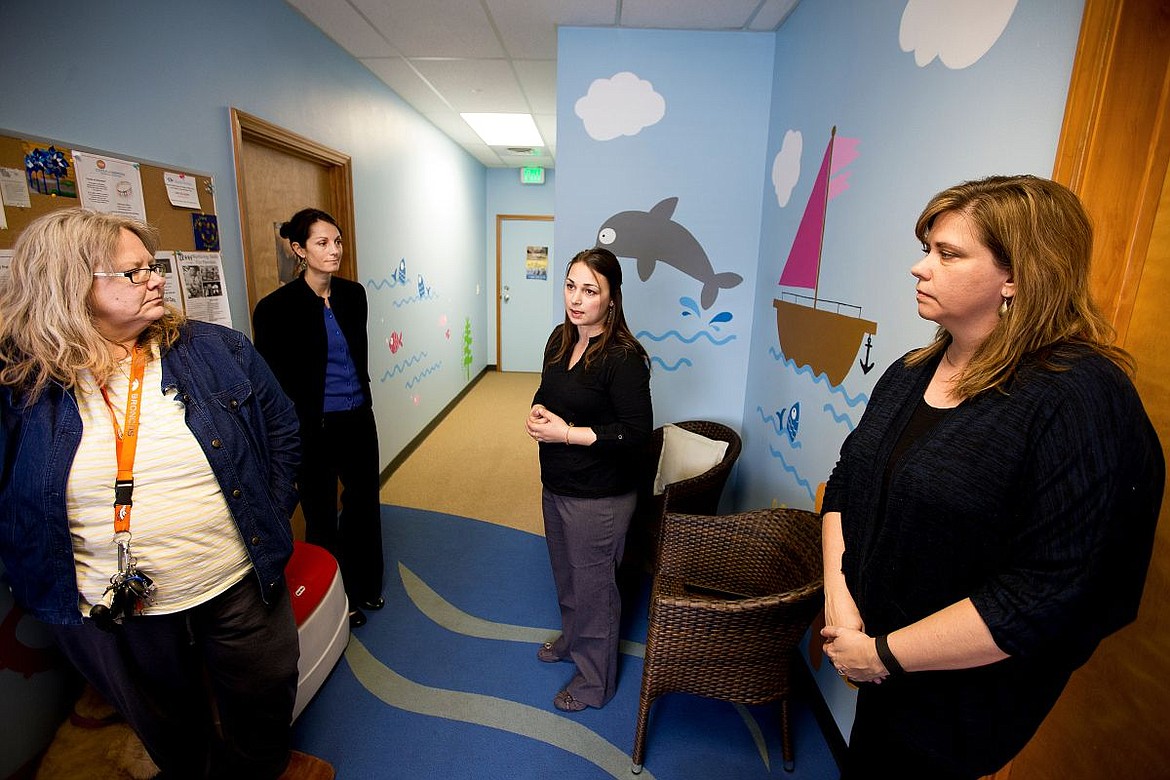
(241, 418)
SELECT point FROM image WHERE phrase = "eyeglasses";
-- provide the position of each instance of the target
(136, 275)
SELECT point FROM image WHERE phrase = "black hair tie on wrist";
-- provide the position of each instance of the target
(887, 658)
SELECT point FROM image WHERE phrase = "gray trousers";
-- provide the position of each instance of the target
(586, 538)
(165, 673)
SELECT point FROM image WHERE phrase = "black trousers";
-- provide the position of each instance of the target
(170, 676)
(879, 746)
(345, 448)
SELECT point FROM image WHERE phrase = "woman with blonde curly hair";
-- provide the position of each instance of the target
(147, 480)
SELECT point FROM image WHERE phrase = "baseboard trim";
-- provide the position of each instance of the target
(414, 443)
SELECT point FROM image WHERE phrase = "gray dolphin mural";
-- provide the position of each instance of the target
(652, 236)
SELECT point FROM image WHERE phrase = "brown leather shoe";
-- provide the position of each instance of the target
(302, 766)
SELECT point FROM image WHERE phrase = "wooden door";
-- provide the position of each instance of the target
(1111, 720)
(277, 174)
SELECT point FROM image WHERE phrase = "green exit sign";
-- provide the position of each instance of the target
(532, 175)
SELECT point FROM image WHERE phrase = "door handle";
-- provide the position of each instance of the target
(506, 294)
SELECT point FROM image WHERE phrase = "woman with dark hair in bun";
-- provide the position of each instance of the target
(312, 332)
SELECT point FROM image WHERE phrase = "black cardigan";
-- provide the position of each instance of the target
(1038, 503)
(288, 327)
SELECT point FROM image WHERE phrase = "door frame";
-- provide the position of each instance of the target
(339, 168)
(500, 218)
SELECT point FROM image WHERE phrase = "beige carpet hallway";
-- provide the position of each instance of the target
(478, 461)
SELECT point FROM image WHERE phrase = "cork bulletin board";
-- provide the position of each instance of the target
(174, 223)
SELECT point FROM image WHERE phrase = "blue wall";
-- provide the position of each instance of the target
(695, 120)
(991, 101)
(155, 81)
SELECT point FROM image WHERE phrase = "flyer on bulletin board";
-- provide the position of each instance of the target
(110, 185)
(173, 291)
(204, 291)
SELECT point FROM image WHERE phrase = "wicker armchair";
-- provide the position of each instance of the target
(696, 496)
(731, 599)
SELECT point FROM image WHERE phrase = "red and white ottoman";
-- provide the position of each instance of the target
(322, 614)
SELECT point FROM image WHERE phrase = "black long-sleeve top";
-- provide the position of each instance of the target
(288, 328)
(1039, 504)
(611, 396)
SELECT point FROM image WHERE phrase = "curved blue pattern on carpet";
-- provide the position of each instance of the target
(444, 682)
(491, 711)
(454, 619)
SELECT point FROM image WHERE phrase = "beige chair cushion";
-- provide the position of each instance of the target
(685, 455)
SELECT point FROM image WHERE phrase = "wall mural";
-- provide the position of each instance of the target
(407, 366)
(816, 332)
(818, 339)
(623, 106)
(651, 237)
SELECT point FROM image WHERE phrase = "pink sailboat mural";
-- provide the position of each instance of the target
(816, 332)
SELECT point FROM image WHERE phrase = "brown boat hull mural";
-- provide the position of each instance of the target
(825, 341)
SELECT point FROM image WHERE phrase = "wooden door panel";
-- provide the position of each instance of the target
(277, 184)
(1111, 720)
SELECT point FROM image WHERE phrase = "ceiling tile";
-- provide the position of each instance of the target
(688, 14)
(345, 26)
(434, 28)
(538, 79)
(402, 78)
(528, 27)
(475, 85)
(453, 125)
(772, 15)
(485, 155)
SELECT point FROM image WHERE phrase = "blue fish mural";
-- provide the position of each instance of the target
(792, 424)
(652, 236)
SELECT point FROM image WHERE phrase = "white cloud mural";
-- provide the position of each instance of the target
(622, 105)
(958, 32)
(786, 166)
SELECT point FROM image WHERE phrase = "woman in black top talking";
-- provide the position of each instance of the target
(591, 416)
(312, 332)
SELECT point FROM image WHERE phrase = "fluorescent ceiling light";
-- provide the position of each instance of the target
(505, 129)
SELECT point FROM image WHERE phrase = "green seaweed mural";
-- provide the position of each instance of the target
(467, 348)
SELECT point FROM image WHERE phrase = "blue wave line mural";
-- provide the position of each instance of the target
(401, 366)
(675, 334)
(839, 418)
(804, 483)
(681, 362)
(420, 377)
(818, 378)
(398, 304)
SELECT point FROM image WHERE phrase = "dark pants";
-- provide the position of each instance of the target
(586, 537)
(166, 673)
(879, 746)
(345, 448)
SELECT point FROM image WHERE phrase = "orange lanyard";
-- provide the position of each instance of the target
(126, 441)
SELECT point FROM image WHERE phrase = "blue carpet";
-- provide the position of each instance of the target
(444, 681)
